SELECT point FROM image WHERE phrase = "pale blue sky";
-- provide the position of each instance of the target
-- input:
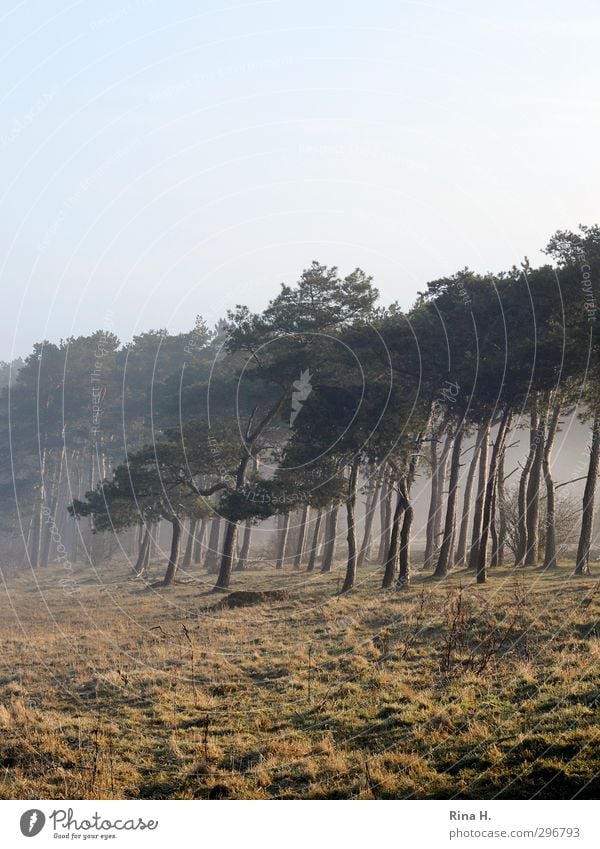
(161, 160)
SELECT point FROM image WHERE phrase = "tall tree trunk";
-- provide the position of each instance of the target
(242, 563)
(212, 555)
(169, 578)
(146, 561)
(39, 515)
(433, 500)
(140, 563)
(350, 578)
(404, 490)
(301, 538)
(130, 543)
(392, 554)
(155, 539)
(74, 492)
(445, 556)
(34, 537)
(371, 506)
(479, 498)
(314, 550)
(522, 494)
(199, 540)
(498, 449)
(440, 492)
(461, 552)
(52, 506)
(330, 540)
(189, 545)
(227, 555)
(386, 517)
(533, 496)
(550, 546)
(582, 565)
(404, 571)
(283, 537)
(502, 510)
(495, 556)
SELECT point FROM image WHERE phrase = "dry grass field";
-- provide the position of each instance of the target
(121, 690)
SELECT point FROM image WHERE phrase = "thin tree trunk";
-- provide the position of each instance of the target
(494, 559)
(140, 563)
(386, 518)
(393, 551)
(53, 516)
(533, 497)
(38, 525)
(301, 538)
(227, 556)
(130, 543)
(199, 540)
(445, 556)
(497, 451)
(283, 537)
(314, 551)
(441, 486)
(242, 563)
(330, 540)
(430, 538)
(364, 552)
(350, 578)
(404, 490)
(212, 555)
(404, 571)
(75, 526)
(244, 554)
(502, 512)
(550, 546)
(189, 546)
(155, 540)
(461, 552)
(522, 495)
(479, 499)
(146, 561)
(169, 579)
(582, 565)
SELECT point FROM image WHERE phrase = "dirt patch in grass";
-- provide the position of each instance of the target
(247, 598)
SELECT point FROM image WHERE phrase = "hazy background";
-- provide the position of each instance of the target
(161, 160)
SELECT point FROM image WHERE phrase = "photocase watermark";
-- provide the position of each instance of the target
(32, 822)
(20, 124)
(99, 386)
(302, 388)
(279, 498)
(463, 294)
(66, 820)
(221, 470)
(447, 395)
(589, 302)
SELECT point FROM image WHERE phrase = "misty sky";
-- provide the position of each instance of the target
(164, 159)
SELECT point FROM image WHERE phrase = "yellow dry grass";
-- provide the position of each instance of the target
(118, 690)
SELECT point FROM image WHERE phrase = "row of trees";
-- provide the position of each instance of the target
(300, 409)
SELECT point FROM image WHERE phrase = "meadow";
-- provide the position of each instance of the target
(113, 688)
